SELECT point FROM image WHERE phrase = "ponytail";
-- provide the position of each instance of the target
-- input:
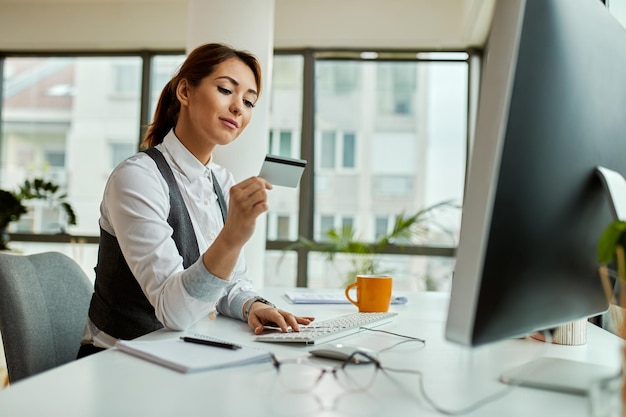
(165, 115)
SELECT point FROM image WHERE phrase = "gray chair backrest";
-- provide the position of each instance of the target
(44, 300)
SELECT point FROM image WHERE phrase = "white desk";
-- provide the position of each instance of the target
(113, 383)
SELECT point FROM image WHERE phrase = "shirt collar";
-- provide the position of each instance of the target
(186, 162)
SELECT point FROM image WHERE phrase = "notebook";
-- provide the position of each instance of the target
(328, 297)
(187, 357)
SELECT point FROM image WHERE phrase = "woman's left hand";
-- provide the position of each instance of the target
(262, 314)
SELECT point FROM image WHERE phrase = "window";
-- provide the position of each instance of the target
(284, 145)
(381, 225)
(286, 98)
(339, 79)
(121, 151)
(327, 222)
(335, 145)
(127, 78)
(384, 137)
(327, 150)
(392, 186)
(347, 222)
(40, 129)
(349, 150)
(387, 147)
(283, 228)
(163, 68)
(396, 87)
(55, 158)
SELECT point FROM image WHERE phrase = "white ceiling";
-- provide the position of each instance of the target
(131, 24)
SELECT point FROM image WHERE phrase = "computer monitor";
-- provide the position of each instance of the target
(552, 108)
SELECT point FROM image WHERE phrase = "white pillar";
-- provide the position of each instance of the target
(248, 25)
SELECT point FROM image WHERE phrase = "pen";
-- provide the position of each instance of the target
(224, 345)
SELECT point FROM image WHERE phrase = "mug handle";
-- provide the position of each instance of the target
(348, 288)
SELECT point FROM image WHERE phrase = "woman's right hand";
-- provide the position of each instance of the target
(248, 200)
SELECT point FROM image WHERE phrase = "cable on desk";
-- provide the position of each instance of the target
(410, 338)
(471, 407)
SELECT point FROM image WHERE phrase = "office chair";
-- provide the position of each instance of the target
(44, 300)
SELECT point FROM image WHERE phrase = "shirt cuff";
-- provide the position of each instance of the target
(236, 304)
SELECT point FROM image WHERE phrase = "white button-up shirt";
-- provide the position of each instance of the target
(135, 208)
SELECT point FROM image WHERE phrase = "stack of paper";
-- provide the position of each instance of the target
(328, 297)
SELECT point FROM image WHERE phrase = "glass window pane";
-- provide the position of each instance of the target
(410, 119)
(280, 268)
(125, 79)
(55, 158)
(121, 151)
(285, 144)
(282, 228)
(59, 125)
(349, 151)
(285, 125)
(163, 69)
(380, 227)
(327, 150)
(409, 272)
(327, 222)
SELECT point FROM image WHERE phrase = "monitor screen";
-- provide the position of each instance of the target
(552, 107)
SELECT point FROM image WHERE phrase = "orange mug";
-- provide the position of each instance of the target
(373, 293)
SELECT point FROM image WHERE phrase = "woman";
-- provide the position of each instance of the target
(174, 223)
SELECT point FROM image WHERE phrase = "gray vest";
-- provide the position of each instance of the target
(118, 305)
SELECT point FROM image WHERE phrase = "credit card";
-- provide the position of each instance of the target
(283, 171)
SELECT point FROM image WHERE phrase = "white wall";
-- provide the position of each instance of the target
(162, 24)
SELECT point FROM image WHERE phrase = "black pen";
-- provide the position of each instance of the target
(224, 345)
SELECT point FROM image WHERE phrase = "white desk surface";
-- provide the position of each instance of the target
(113, 383)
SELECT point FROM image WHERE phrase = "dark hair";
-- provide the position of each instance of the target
(200, 63)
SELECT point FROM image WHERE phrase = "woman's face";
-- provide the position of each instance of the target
(219, 108)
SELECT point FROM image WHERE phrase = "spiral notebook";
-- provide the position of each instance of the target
(191, 357)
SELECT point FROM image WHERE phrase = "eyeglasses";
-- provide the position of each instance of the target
(357, 373)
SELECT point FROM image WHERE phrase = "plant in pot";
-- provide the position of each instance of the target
(363, 255)
(610, 254)
(12, 204)
(11, 209)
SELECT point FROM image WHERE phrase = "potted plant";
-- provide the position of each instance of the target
(12, 203)
(610, 254)
(364, 260)
(11, 209)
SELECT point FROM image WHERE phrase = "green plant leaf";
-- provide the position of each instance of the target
(39, 188)
(406, 229)
(611, 237)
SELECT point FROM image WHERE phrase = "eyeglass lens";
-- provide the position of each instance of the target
(302, 376)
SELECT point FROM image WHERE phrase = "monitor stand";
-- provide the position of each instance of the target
(563, 375)
(566, 375)
(615, 186)
(572, 334)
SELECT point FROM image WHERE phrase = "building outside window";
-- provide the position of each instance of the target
(391, 139)
(65, 138)
(388, 137)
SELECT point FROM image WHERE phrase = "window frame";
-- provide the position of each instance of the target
(307, 145)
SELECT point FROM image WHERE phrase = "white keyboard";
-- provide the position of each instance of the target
(325, 330)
